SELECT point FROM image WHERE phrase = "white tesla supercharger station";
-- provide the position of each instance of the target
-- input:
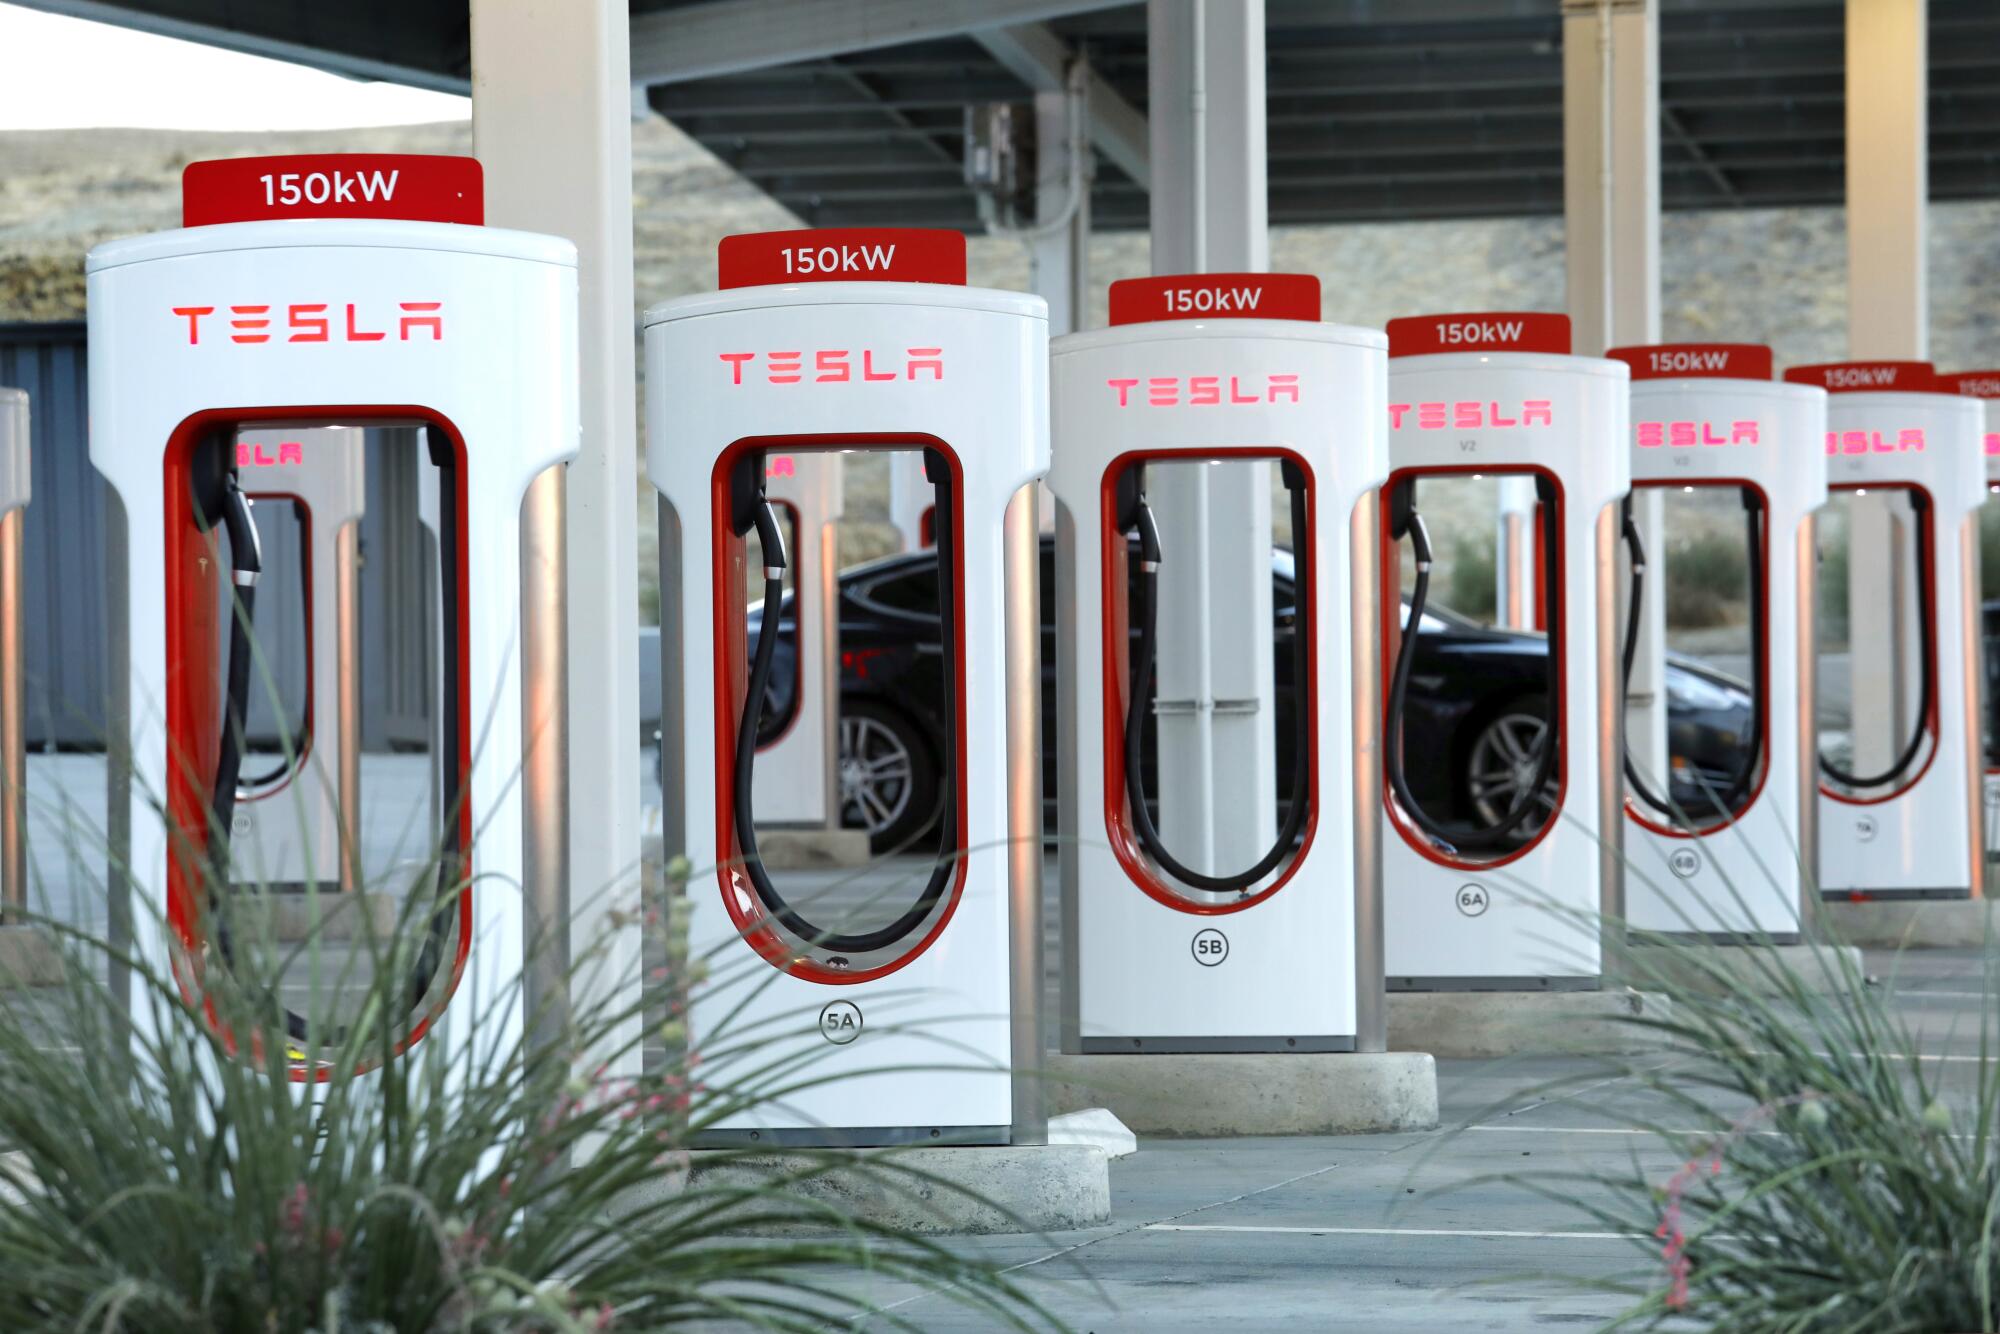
(15, 479)
(1899, 814)
(307, 487)
(264, 315)
(1511, 903)
(799, 745)
(1985, 385)
(1727, 854)
(1160, 956)
(925, 996)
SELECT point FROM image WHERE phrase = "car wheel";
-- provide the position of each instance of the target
(888, 781)
(1500, 764)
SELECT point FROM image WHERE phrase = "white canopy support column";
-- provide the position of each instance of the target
(1888, 318)
(1217, 748)
(552, 123)
(1611, 217)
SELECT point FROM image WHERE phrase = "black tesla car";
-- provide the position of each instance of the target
(1476, 704)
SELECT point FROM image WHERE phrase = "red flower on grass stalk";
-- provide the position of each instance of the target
(1710, 1158)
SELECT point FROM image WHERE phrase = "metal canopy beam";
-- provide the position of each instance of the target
(727, 36)
(1038, 58)
(234, 29)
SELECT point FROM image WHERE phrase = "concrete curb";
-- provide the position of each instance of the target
(1250, 1093)
(963, 1190)
(29, 958)
(1486, 1024)
(291, 917)
(1744, 969)
(1889, 924)
(812, 849)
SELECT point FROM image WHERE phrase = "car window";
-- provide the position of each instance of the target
(913, 590)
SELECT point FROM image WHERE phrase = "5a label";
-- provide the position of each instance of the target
(840, 1022)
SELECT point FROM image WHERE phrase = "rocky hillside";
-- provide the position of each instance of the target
(1775, 276)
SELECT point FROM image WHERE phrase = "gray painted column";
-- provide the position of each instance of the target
(552, 122)
(1061, 259)
(1218, 781)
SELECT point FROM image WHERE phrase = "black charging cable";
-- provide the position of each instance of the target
(1730, 795)
(1920, 505)
(1137, 514)
(752, 509)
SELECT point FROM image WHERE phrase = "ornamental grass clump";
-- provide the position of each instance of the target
(1829, 1169)
(168, 1173)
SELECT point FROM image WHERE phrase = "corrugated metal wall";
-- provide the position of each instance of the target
(64, 533)
(65, 577)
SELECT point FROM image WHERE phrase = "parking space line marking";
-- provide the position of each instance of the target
(1390, 1231)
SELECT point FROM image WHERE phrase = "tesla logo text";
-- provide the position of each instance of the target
(1201, 391)
(781, 465)
(837, 365)
(1908, 440)
(328, 187)
(1850, 377)
(1683, 435)
(1470, 415)
(1182, 299)
(316, 322)
(1480, 331)
(805, 259)
(254, 456)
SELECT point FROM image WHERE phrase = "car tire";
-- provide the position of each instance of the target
(1513, 726)
(888, 776)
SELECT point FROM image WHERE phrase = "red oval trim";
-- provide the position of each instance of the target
(731, 673)
(192, 649)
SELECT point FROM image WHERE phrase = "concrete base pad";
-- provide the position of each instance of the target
(963, 1190)
(1888, 924)
(329, 914)
(1486, 1024)
(812, 849)
(1246, 1093)
(29, 958)
(1746, 970)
